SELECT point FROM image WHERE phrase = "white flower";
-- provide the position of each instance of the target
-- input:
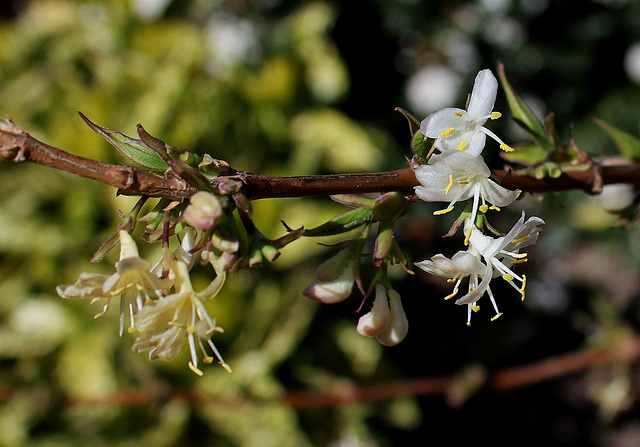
(336, 276)
(455, 176)
(166, 323)
(458, 129)
(499, 255)
(398, 325)
(132, 281)
(375, 321)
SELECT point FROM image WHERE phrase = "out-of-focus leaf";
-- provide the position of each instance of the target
(135, 150)
(626, 143)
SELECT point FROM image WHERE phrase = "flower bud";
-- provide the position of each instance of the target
(398, 325)
(336, 277)
(204, 211)
(377, 320)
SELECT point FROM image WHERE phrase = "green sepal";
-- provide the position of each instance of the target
(342, 223)
(384, 241)
(627, 144)
(134, 149)
(418, 144)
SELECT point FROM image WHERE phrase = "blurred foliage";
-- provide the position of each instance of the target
(283, 87)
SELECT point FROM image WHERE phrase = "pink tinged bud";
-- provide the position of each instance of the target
(334, 291)
(204, 211)
(376, 321)
(334, 267)
(398, 325)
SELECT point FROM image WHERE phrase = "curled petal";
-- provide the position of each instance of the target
(376, 321)
(483, 95)
(398, 325)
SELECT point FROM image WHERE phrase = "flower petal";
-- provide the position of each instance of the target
(483, 95)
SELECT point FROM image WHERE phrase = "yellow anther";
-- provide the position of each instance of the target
(446, 191)
(508, 277)
(448, 297)
(522, 239)
(469, 323)
(207, 359)
(463, 182)
(484, 208)
(226, 367)
(475, 308)
(447, 132)
(440, 212)
(518, 255)
(457, 113)
(519, 261)
(467, 237)
(495, 115)
(451, 280)
(524, 283)
(506, 147)
(496, 316)
(462, 145)
(148, 301)
(132, 329)
(494, 208)
(191, 329)
(195, 369)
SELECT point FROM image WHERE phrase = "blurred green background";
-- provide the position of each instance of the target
(286, 88)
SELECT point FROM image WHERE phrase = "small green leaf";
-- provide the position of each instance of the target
(342, 223)
(526, 154)
(519, 109)
(626, 143)
(354, 200)
(135, 150)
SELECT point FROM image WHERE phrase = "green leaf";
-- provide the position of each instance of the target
(626, 143)
(519, 109)
(526, 154)
(342, 223)
(135, 150)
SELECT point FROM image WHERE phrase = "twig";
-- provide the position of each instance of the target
(18, 146)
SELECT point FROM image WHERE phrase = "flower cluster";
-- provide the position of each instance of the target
(459, 173)
(165, 310)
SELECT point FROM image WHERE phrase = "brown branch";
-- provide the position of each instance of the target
(347, 392)
(18, 146)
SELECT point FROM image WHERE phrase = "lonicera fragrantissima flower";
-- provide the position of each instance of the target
(455, 176)
(458, 129)
(499, 255)
(166, 323)
(132, 281)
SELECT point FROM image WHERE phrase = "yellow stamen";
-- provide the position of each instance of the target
(132, 329)
(446, 191)
(448, 297)
(191, 329)
(462, 145)
(207, 359)
(467, 237)
(195, 369)
(469, 323)
(495, 208)
(226, 367)
(440, 212)
(451, 280)
(463, 182)
(519, 261)
(524, 283)
(506, 147)
(457, 113)
(496, 316)
(484, 208)
(475, 308)
(508, 277)
(447, 132)
(495, 115)
(522, 239)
